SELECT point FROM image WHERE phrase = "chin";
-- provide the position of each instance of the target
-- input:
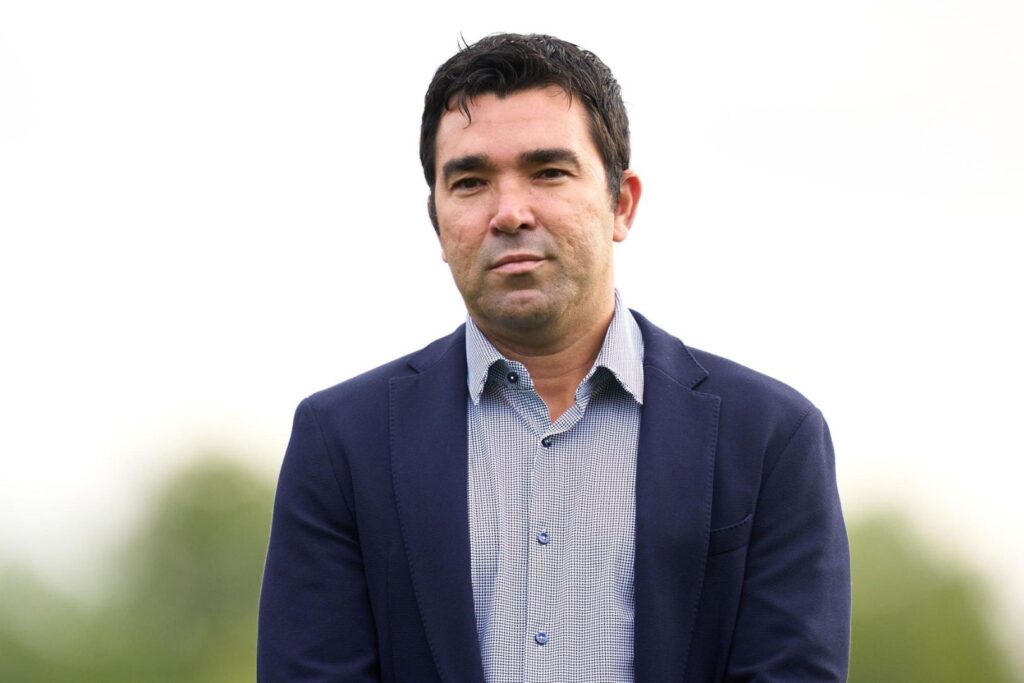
(520, 311)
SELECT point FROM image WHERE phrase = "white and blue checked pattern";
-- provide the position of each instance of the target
(551, 511)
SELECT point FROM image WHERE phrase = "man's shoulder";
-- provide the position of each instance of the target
(373, 385)
(727, 377)
(757, 413)
(754, 405)
(741, 389)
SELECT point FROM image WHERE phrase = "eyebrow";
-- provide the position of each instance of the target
(470, 162)
(535, 157)
(553, 155)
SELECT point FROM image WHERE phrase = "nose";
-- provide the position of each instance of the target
(512, 211)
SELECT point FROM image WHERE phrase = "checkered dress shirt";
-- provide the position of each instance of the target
(551, 513)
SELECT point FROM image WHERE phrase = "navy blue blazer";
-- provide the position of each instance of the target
(742, 563)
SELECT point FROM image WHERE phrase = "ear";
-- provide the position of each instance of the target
(625, 209)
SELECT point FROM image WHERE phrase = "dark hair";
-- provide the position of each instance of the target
(506, 63)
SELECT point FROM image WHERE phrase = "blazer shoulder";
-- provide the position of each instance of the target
(370, 388)
(749, 391)
(710, 374)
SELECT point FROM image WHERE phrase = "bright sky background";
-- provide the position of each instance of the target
(211, 209)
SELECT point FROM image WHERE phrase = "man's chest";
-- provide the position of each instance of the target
(552, 530)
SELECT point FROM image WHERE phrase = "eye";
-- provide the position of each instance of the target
(552, 174)
(467, 184)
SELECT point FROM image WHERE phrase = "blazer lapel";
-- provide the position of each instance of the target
(429, 458)
(674, 478)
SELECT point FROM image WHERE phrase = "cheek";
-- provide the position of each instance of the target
(455, 240)
(459, 246)
(587, 244)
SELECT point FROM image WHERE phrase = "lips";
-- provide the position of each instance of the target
(517, 263)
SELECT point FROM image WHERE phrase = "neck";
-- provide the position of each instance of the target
(557, 366)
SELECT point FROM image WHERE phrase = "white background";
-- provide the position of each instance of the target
(211, 209)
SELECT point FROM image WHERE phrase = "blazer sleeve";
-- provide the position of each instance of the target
(794, 616)
(315, 622)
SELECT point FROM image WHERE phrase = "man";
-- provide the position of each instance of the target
(559, 490)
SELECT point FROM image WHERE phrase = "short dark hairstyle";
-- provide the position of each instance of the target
(506, 63)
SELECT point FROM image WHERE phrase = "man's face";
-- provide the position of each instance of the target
(525, 219)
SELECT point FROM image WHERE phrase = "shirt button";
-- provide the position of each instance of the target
(541, 638)
(546, 442)
(543, 537)
(512, 377)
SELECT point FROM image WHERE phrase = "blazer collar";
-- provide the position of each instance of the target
(668, 355)
(675, 472)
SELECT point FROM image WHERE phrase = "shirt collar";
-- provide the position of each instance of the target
(622, 354)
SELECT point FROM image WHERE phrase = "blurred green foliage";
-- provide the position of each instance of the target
(180, 604)
(917, 616)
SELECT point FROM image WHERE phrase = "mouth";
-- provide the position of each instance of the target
(513, 264)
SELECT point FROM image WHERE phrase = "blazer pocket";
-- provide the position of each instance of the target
(731, 537)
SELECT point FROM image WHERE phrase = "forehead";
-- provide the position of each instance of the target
(538, 118)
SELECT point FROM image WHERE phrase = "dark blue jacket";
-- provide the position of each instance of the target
(742, 564)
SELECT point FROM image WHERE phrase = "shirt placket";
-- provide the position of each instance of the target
(549, 544)
(545, 544)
